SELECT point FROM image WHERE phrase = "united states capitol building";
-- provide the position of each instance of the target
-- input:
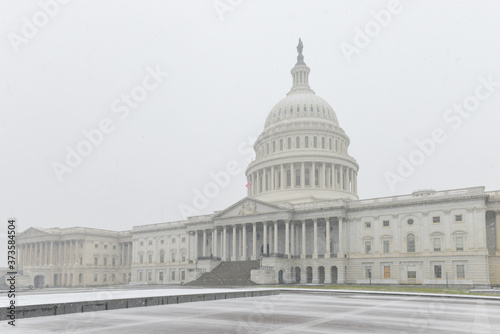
(301, 222)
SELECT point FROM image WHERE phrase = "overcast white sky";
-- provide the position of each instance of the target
(224, 76)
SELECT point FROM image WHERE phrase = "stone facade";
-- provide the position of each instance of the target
(302, 218)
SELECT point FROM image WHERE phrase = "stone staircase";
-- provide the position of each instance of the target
(234, 273)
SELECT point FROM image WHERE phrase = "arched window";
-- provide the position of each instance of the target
(281, 144)
(323, 142)
(306, 142)
(316, 177)
(289, 143)
(288, 178)
(330, 144)
(297, 177)
(297, 142)
(315, 142)
(162, 256)
(410, 243)
(306, 177)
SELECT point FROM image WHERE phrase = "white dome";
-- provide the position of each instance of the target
(300, 105)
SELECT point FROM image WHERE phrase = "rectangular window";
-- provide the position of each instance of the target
(368, 247)
(387, 272)
(160, 276)
(385, 223)
(183, 256)
(460, 271)
(183, 275)
(172, 275)
(459, 243)
(412, 272)
(150, 276)
(183, 239)
(104, 277)
(150, 258)
(114, 246)
(387, 246)
(96, 246)
(105, 261)
(96, 277)
(437, 244)
(141, 259)
(140, 275)
(368, 224)
(368, 272)
(436, 220)
(459, 218)
(113, 261)
(81, 260)
(173, 240)
(105, 246)
(173, 257)
(438, 271)
(96, 260)
(141, 243)
(113, 277)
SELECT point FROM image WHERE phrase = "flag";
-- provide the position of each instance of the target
(249, 184)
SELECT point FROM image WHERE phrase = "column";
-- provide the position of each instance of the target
(129, 249)
(224, 243)
(244, 230)
(254, 241)
(196, 245)
(341, 244)
(276, 237)
(327, 241)
(272, 187)
(302, 173)
(59, 248)
(264, 241)
(42, 253)
(341, 178)
(203, 247)
(233, 257)
(282, 177)
(324, 169)
(303, 253)
(315, 238)
(497, 227)
(292, 241)
(292, 175)
(312, 175)
(51, 256)
(287, 239)
(334, 172)
(72, 252)
(215, 246)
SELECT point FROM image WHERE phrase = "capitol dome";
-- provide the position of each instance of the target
(302, 153)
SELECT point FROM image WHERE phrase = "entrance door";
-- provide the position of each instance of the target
(297, 274)
(309, 274)
(334, 274)
(280, 277)
(321, 275)
(39, 281)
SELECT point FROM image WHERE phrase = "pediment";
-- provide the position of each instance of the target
(33, 232)
(249, 207)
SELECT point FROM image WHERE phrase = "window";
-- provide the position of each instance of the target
(81, 260)
(410, 243)
(80, 278)
(114, 246)
(459, 243)
(288, 178)
(306, 142)
(104, 277)
(150, 242)
(150, 276)
(459, 218)
(173, 240)
(173, 256)
(297, 142)
(96, 245)
(172, 275)
(113, 261)
(183, 275)
(140, 275)
(330, 143)
(160, 275)
(183, 256)
(387, 246)
(150, 258)
(96, 260)
(437, 244)
(385, 223)
(96, 277)
(306, 177)
(316, 177)
(436, 220)
(387, 272)
(105, 246)
(105, 260)
(162, 241)
(368, 247)
(141, 243)
(410, 221)
(368, 272)
(460, 271)
(281, 144)
(438, 271)
(297, 177)
(323, 142)
(315, 142)
(162, 256)
(412, 272)
(289, 143)
(368, 224)
(113, 277)
(141, 258)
